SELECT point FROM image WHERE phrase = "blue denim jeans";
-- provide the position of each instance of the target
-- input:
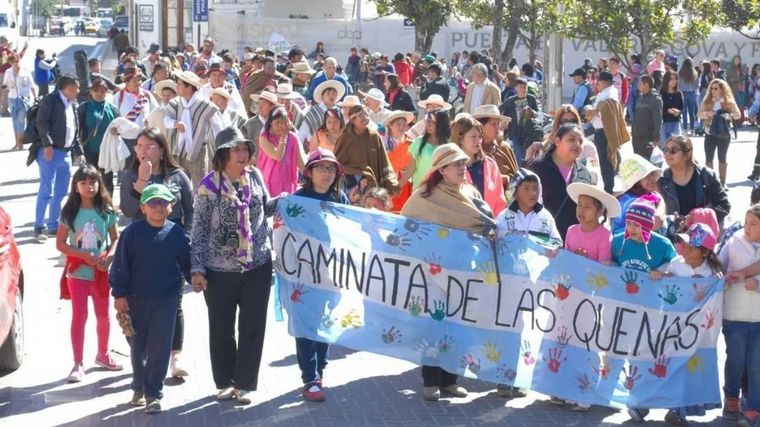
(742, 354)
(669, 129)
(312, 359)
(689, 113)
(54, 184)
(151, 347)
(18, 107)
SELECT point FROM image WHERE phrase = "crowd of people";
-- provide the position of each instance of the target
(204, 145)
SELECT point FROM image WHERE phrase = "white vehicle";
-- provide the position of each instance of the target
(9, 24)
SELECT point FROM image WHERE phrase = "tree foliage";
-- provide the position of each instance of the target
(428, 17)
(46, 8)
(640, 26)
(742, 16)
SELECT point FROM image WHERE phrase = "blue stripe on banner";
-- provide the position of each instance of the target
(561, 325)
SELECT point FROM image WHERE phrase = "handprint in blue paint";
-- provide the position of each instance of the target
(437, 313)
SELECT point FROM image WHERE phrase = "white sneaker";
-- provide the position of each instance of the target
(77, 373)
(176, 369)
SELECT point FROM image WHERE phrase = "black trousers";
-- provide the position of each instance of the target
(43, 90)
(247, 295)
(92, 158)
(433, 376)
(608, 171)
(721, 143)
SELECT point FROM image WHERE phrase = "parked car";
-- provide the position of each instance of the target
(91, 27)
(11, 298)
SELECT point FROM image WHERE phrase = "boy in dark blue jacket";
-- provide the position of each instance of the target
(151, 255)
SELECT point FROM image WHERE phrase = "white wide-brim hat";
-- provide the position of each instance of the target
(610, 203)
(398, 114)
(436, 100)
(190, 78)
(266, 95)
(375, 94)
(329, 84)
(490, 112)
(632, 170)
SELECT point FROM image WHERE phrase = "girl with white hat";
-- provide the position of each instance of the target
(397, 146)
(638, 178)
(590, 238)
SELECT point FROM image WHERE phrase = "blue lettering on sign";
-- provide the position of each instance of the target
(200, 10)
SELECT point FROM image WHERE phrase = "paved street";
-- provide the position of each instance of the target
(363, 389)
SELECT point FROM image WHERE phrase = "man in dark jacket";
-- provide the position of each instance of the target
(647, 121)
(435, 84)
(58, 130)
(525, 127)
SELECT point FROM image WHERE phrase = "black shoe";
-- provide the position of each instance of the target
(754, 176)
(39, 234)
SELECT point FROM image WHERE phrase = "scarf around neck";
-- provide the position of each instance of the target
(221, 186)
(452, 206)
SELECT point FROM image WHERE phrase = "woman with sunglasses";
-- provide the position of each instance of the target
(154, 164)
(685, 185)
(718, 110)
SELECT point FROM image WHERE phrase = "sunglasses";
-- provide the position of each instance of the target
(155, 203)
(672, 150)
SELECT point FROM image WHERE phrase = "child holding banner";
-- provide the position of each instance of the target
(525, 213)
(741, 321)
(590, 238)
(638, 247)
(322, 175)
(698, 259)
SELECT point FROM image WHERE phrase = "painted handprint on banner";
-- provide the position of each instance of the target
(434, 264)
(446, 344)
(670, 294)
(564, 337)
(630, 377)
(294, 210)
(584, 383)
(418, 229)
(603, 368)
(425, 349)
(507, 373)
(555, 359)
(562, 286)
(298, 292)
(488, 269)
(471, 363)
(278, 221)
(492, 352)
(630, 279)
(709, 319)
(437, 312)
(527, 356)
(391, 335)
(398, 241)
(415, 306)
(351, 318)
(660, 368)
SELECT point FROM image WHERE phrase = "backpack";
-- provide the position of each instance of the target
(30, 131)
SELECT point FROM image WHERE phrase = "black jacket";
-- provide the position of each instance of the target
(710, 194)
(51, 123)
(440, 86)
(402, 101)
(526, 129)
(554, 189)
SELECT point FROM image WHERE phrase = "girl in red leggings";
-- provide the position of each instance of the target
(87, 237)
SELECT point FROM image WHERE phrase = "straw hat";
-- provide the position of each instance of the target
(398, 114)
(329, 84)
(303, 67)
(285, 91)
(436, 100)
(221, 92)
(375, 94)
(350, 101)
(268, 96)
(610, 203)
(165, 84)
(461, 115)
(189, 78)
(490, 112)
(632, 170)
(447, 154)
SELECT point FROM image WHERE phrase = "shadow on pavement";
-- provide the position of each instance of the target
(32, 399)
(16, 196)
(22, 181)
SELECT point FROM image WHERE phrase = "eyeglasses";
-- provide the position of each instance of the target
(325, 169)
(155, 203)
(672, 150)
